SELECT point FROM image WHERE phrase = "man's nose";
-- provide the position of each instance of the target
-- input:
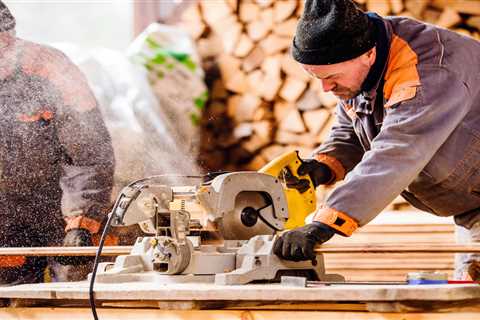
(328, 85)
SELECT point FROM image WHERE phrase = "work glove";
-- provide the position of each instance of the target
(319, 173)
(298, 244)
(77, 238)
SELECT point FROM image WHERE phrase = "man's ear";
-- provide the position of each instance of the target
(371, 55)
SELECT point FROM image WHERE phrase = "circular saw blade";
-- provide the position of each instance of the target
(231, 225)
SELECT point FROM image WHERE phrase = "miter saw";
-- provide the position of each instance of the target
(248, 208)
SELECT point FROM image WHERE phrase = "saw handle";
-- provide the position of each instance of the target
(300, 204)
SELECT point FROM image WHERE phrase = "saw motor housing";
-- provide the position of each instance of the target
(248, 208)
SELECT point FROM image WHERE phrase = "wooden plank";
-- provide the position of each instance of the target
(233, 4)
(271, 152)
(228, 66)
(215, 11)
(244, 46)
(47, 313)
(248, 11)
(191, 20)
(263, 113)
(398, 248)
(237, 83)
(289, 138)
(264, 3)
(270, 87)
(286, 28)
(256, 163)
(474, 22)
(134, 291)
(256, 82)
(281, 109)
(243, 130)
(449, 18)
(431, 15)
(230, 33)
(310, 100)
(382, 7)
(254, 59)
(283, 9)
(242, 107)
(272, 65)
(264, 129)
(294, 69)
(64, 251)
(266, 16)
(209, 47)
(292, 89)
(416, 7)
(467, 6)
(274, 44)
(292, 122)
(257, 30)
(255, 143)
(396, 6)
(315, 120)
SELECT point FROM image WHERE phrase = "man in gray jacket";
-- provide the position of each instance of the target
(408, 120)
(55, 155)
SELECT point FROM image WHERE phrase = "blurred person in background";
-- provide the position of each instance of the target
(56, 159)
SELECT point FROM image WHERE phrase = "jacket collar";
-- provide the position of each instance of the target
(374, 78)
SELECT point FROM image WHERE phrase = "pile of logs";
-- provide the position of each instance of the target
(261, 101)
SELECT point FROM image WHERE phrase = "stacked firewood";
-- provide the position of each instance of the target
(261, 101)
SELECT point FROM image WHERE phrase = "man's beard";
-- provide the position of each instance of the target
(344, 93)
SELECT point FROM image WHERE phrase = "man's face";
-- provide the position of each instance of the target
(343, 79)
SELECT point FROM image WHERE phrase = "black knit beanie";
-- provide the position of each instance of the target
(332, 31)
(7, 21)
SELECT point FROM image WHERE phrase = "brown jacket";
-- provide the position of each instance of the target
(55, 151)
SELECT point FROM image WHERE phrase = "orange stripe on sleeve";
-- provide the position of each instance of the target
(338, 220)
(334, 165)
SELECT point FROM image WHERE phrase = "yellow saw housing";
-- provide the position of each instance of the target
(300, 205)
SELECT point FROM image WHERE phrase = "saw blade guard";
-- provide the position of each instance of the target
(245, 204)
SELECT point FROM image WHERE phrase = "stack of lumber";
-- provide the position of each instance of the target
(261, 102)
(393, 266)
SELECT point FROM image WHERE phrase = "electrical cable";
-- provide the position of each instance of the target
(111, 215)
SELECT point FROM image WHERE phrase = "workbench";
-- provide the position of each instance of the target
(254, 301)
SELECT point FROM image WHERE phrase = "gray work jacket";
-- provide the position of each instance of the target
(416, 131)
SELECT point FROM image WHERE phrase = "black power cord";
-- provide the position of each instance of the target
(111, 216)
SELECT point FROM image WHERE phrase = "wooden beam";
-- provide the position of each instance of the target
(382, 7)
(248, 11)
(422, 247)
(397, 6)
(399, 248)
(449, 18)
(283, 10)
(64, 251)
(254, 59)
(286, 28)
(292, 89)
(274, 44)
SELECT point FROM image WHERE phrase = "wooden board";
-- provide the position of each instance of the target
(191, 296)
(156, 314)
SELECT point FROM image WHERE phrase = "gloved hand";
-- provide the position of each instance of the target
(298, 244)
(319, 173)
(77, 238)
